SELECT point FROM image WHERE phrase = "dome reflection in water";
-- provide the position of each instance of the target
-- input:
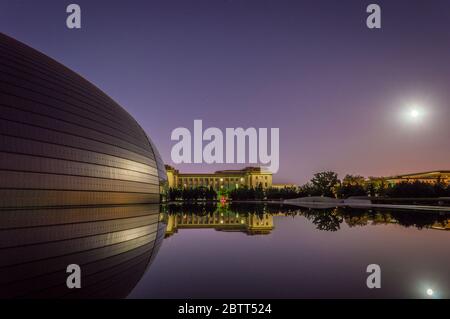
(113, 245)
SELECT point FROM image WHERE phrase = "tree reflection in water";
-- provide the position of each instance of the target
(329, 219)
(325, 219)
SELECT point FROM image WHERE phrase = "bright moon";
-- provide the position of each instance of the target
(430, 292)
(414, 114)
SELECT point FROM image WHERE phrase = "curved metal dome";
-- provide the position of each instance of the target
(64, 142)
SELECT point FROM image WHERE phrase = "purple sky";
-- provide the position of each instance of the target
(337, 90)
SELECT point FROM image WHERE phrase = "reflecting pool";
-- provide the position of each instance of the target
(273, 251)
(223, 251)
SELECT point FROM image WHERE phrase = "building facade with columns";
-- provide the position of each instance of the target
(226, 179)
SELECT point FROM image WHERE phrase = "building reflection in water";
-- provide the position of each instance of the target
(259, 219)
(250, 223)
(113, 245)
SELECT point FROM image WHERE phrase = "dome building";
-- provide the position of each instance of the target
(65, 142)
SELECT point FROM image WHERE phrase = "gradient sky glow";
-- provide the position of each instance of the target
(340, 93)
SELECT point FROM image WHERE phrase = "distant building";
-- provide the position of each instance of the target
(227, 179)
(427, 177)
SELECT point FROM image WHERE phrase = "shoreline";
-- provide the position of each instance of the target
(442, 209)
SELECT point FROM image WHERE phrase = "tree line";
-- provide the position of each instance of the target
(191, 194)
(328, 184)
(329, 219)
(324, 184)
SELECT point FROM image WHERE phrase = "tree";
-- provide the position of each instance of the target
(370, 189)
(324, 183)
(308, 190)
(325, 219)
(416, 189)
(273, 193)
(289, 192)
(211, 194)
(352, 185)
(440, 188)
(259, 192)
(382, 188)
(349, 190)
(174, 194)
(353, 180)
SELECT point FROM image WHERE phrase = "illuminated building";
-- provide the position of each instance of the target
(227, 179)
(252, 224)
(426, 177)
(444, 225)
(65, 142)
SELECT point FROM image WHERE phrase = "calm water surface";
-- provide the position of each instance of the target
(286, 252)
(235, 251)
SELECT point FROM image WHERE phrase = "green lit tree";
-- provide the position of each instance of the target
(324, 183)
